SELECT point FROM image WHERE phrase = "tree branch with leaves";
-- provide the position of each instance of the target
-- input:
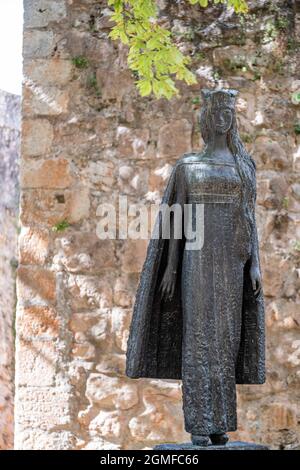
(153, 57)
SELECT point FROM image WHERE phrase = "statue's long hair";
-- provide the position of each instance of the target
(245, 164)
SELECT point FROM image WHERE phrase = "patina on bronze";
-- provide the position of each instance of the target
(199, 314)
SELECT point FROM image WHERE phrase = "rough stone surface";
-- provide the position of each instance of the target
(76, 291)
(39, 13)
(37, 137)
(10, 113)
(38, 44)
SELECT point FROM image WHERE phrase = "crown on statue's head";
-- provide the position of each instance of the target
(223, 98)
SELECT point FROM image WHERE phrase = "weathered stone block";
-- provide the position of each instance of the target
(79, 204)
(175, 138)
(84, 350)
(36, 284)
(99, 332)
(282, 314)
(49, 207)
(48, 174)
(84, 252)
(108, 424)
(133, 255)
(37, 363)
(124, 290)
(37, 322)
(132, 143)
(159, 422)
(42, 412)
(101, 174)
(101, 52)
(89, 292)
(269, 154)
(120, 326)
(38, 44)
(46, 101)
(111, 392)
(112, 364)
(49, 72)
(35, 439)
(83, 322)
(115, 85)
(39, 13)
(274, 270)
(44, 207)
(133, 181)
(282, 416)
(34, 246)
(37, 137)
(158, 178)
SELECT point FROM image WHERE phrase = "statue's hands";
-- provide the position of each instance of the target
(167, 286)
(255, 277)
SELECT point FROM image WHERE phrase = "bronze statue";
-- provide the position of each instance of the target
(199, 313)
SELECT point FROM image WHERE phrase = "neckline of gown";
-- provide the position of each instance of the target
(213, 162)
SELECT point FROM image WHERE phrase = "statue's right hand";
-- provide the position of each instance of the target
(167, 286)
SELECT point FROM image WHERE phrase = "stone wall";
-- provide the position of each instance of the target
(10, 116)
(87, 138)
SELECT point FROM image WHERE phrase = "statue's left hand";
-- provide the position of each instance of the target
(167, 287)
(255, 277)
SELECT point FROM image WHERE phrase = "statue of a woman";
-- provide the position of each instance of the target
(199, 313)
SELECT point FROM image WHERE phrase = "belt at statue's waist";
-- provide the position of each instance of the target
(202, 198)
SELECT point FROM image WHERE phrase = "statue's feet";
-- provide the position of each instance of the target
(199, 440)
(219, 439)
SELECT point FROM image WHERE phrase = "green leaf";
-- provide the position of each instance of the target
(123, 37)
(144, 87)
(152, 56)
(153, 43)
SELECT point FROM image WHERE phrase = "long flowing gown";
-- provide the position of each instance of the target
(211, 332)
(212, 296)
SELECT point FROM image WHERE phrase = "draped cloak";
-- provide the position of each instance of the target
(154, 347)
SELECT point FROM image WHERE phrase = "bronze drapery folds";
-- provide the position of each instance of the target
(199, 313)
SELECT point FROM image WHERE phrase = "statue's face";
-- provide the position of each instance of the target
(222, 119)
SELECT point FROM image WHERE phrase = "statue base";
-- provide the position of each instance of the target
(234, 445)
